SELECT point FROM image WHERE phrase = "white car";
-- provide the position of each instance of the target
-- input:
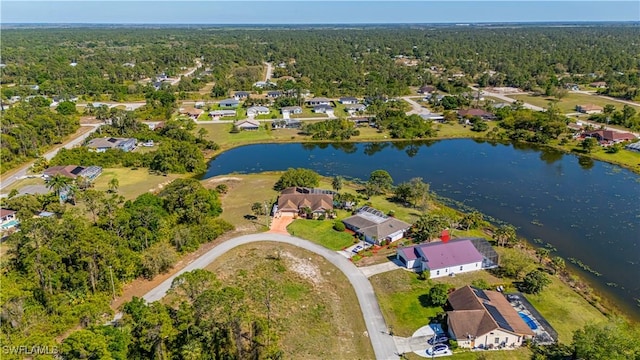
(439, 349)
(357, 249)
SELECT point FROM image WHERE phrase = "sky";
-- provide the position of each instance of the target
(216, 12)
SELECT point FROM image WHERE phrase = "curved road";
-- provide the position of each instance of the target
(383, 344)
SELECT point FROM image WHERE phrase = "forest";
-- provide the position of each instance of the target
(63, 270)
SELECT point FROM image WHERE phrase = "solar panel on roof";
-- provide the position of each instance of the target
(77, 170)
(481, 294)
(497, 316)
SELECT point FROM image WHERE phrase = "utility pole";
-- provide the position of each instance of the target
(113, 286)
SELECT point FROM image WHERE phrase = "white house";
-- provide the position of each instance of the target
(8, 219)
(322, 109)
(257, 110)
(448, 258)
(318, 101)
(247, 124)
(484, 319)
(291, 110)
(220, 113)
(354, 108)
(349, 100)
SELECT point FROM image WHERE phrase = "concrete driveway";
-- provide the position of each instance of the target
(383, 344)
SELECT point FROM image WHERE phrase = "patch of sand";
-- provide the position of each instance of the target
(304, 268)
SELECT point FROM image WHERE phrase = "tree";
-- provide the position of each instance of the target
(534, 282)
(380, 182)
(297, 177)
(437, 295)
(558, 264)
(58, 183)
(613, 340)
(66, 108)
(258, 208)
(202, 132)
(93, 201)
(85, 344)
(542, 254)
(428, 227)
(190, 201)
(415, 191)
(588, 144)
(157, 259)
(114, 184)
(336, 183)
(505, 235)
(472, 220)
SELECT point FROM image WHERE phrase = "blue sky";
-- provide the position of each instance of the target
(314, 12)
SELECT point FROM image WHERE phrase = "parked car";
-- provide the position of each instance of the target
(437, 339)
(148, 143)
(357, 249)
(439, 349)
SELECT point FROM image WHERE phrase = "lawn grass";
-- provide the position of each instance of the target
(133, 183)
(243, 191)
(460, 354)
(458, 131)
(19, 184)
(569, 102)
(564, 309)
(220, 133)
(314, 310)
(321, 232)
(399, 295)
(624, 157)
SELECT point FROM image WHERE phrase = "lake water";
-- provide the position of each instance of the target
(588, 210)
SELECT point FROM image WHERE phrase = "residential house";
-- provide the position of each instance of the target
(296, 200)
(469, 113)
(433, 117)
(446, 258)
(73, 171)
(104, 144)
(376, 227)
(274, 94)
(263, 84)
(589, 109)
(427, 89)
(354, 108)
(349, 100)
(318, 101)
(286, 124)
(220, 113)
(229, 103)
(599, 84)
(607, 137)
(322, 109)
(192, 113)
(241, 95)
(633, 147)
(8, 219)
(572, 87)
(291, 110)
(484, 319)
(371, 99)
(361, 121)
(258, 110)
(247, 124)
(199, 104)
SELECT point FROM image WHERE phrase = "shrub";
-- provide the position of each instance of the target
(339, 226)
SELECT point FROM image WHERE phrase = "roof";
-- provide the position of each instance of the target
(70, 171)
(476, 312)
(348, 98)
(612, 135)
(108, 142)
(6, 212)
(229, 101)
(373, 223)
(241, 93)
(320, 99)
(320, 107)
(453, 253)
(247, 123)
(473, 112)
(294, 199)
(590, 107)
(258, 108)
(354, 106)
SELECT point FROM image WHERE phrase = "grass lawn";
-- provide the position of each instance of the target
(629, 159)
(220, 133)
(314, 309)
(19, 184)
(518, 354)
(243, 191)
(564, 309)
(133, 182)
(321, 232)
(399, 295)
(458, 131)
(569, 102)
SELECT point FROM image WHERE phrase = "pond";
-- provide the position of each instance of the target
(588, 210)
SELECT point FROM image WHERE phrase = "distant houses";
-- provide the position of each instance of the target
(291, 110)
(104, 144)
(322, 109)
(348, 100)
(229, 103)
(274, 94)
(376, 227)
(354, 108)
(318, 101)
(258, 110)
(241, 95)
(192, 113)
(599, 84)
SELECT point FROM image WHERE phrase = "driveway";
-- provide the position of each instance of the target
(279, 224)
(369, 271)
(383, 344)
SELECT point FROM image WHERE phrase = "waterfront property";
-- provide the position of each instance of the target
(608, 137)
(469, 113)
(447, 258)
(247, 124)
(286, 124)
(304, 201)
(104, 144)
(73, 171)
(376, 227)
(484, 319)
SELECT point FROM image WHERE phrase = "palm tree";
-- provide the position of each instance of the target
(58, 183)
(505, 234)
(336, 183)
(114, 184)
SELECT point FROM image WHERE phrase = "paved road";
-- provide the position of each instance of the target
(269, 73)
(415, 107)
(383, 344)
(507, 99)
(605, 97)
(6, 181)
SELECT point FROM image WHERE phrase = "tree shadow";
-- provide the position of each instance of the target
(250, 217)
(424, 301)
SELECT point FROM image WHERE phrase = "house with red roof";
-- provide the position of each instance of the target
(606, 137)
(449, 258)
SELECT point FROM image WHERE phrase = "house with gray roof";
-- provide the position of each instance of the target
(229, 103)
(322, 109)
(104, 144)
(258, 110)
(349, 100)
(291, 110)
(241, 95)
(247, 124)
(376, 227)
(318, 101)
(354, 108)
(220, 113)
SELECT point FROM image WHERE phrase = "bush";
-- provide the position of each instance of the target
(480, 284)
(339, 226)
(322, 217)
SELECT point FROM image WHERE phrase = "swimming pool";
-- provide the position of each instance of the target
(527, 319)
(10, 224)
